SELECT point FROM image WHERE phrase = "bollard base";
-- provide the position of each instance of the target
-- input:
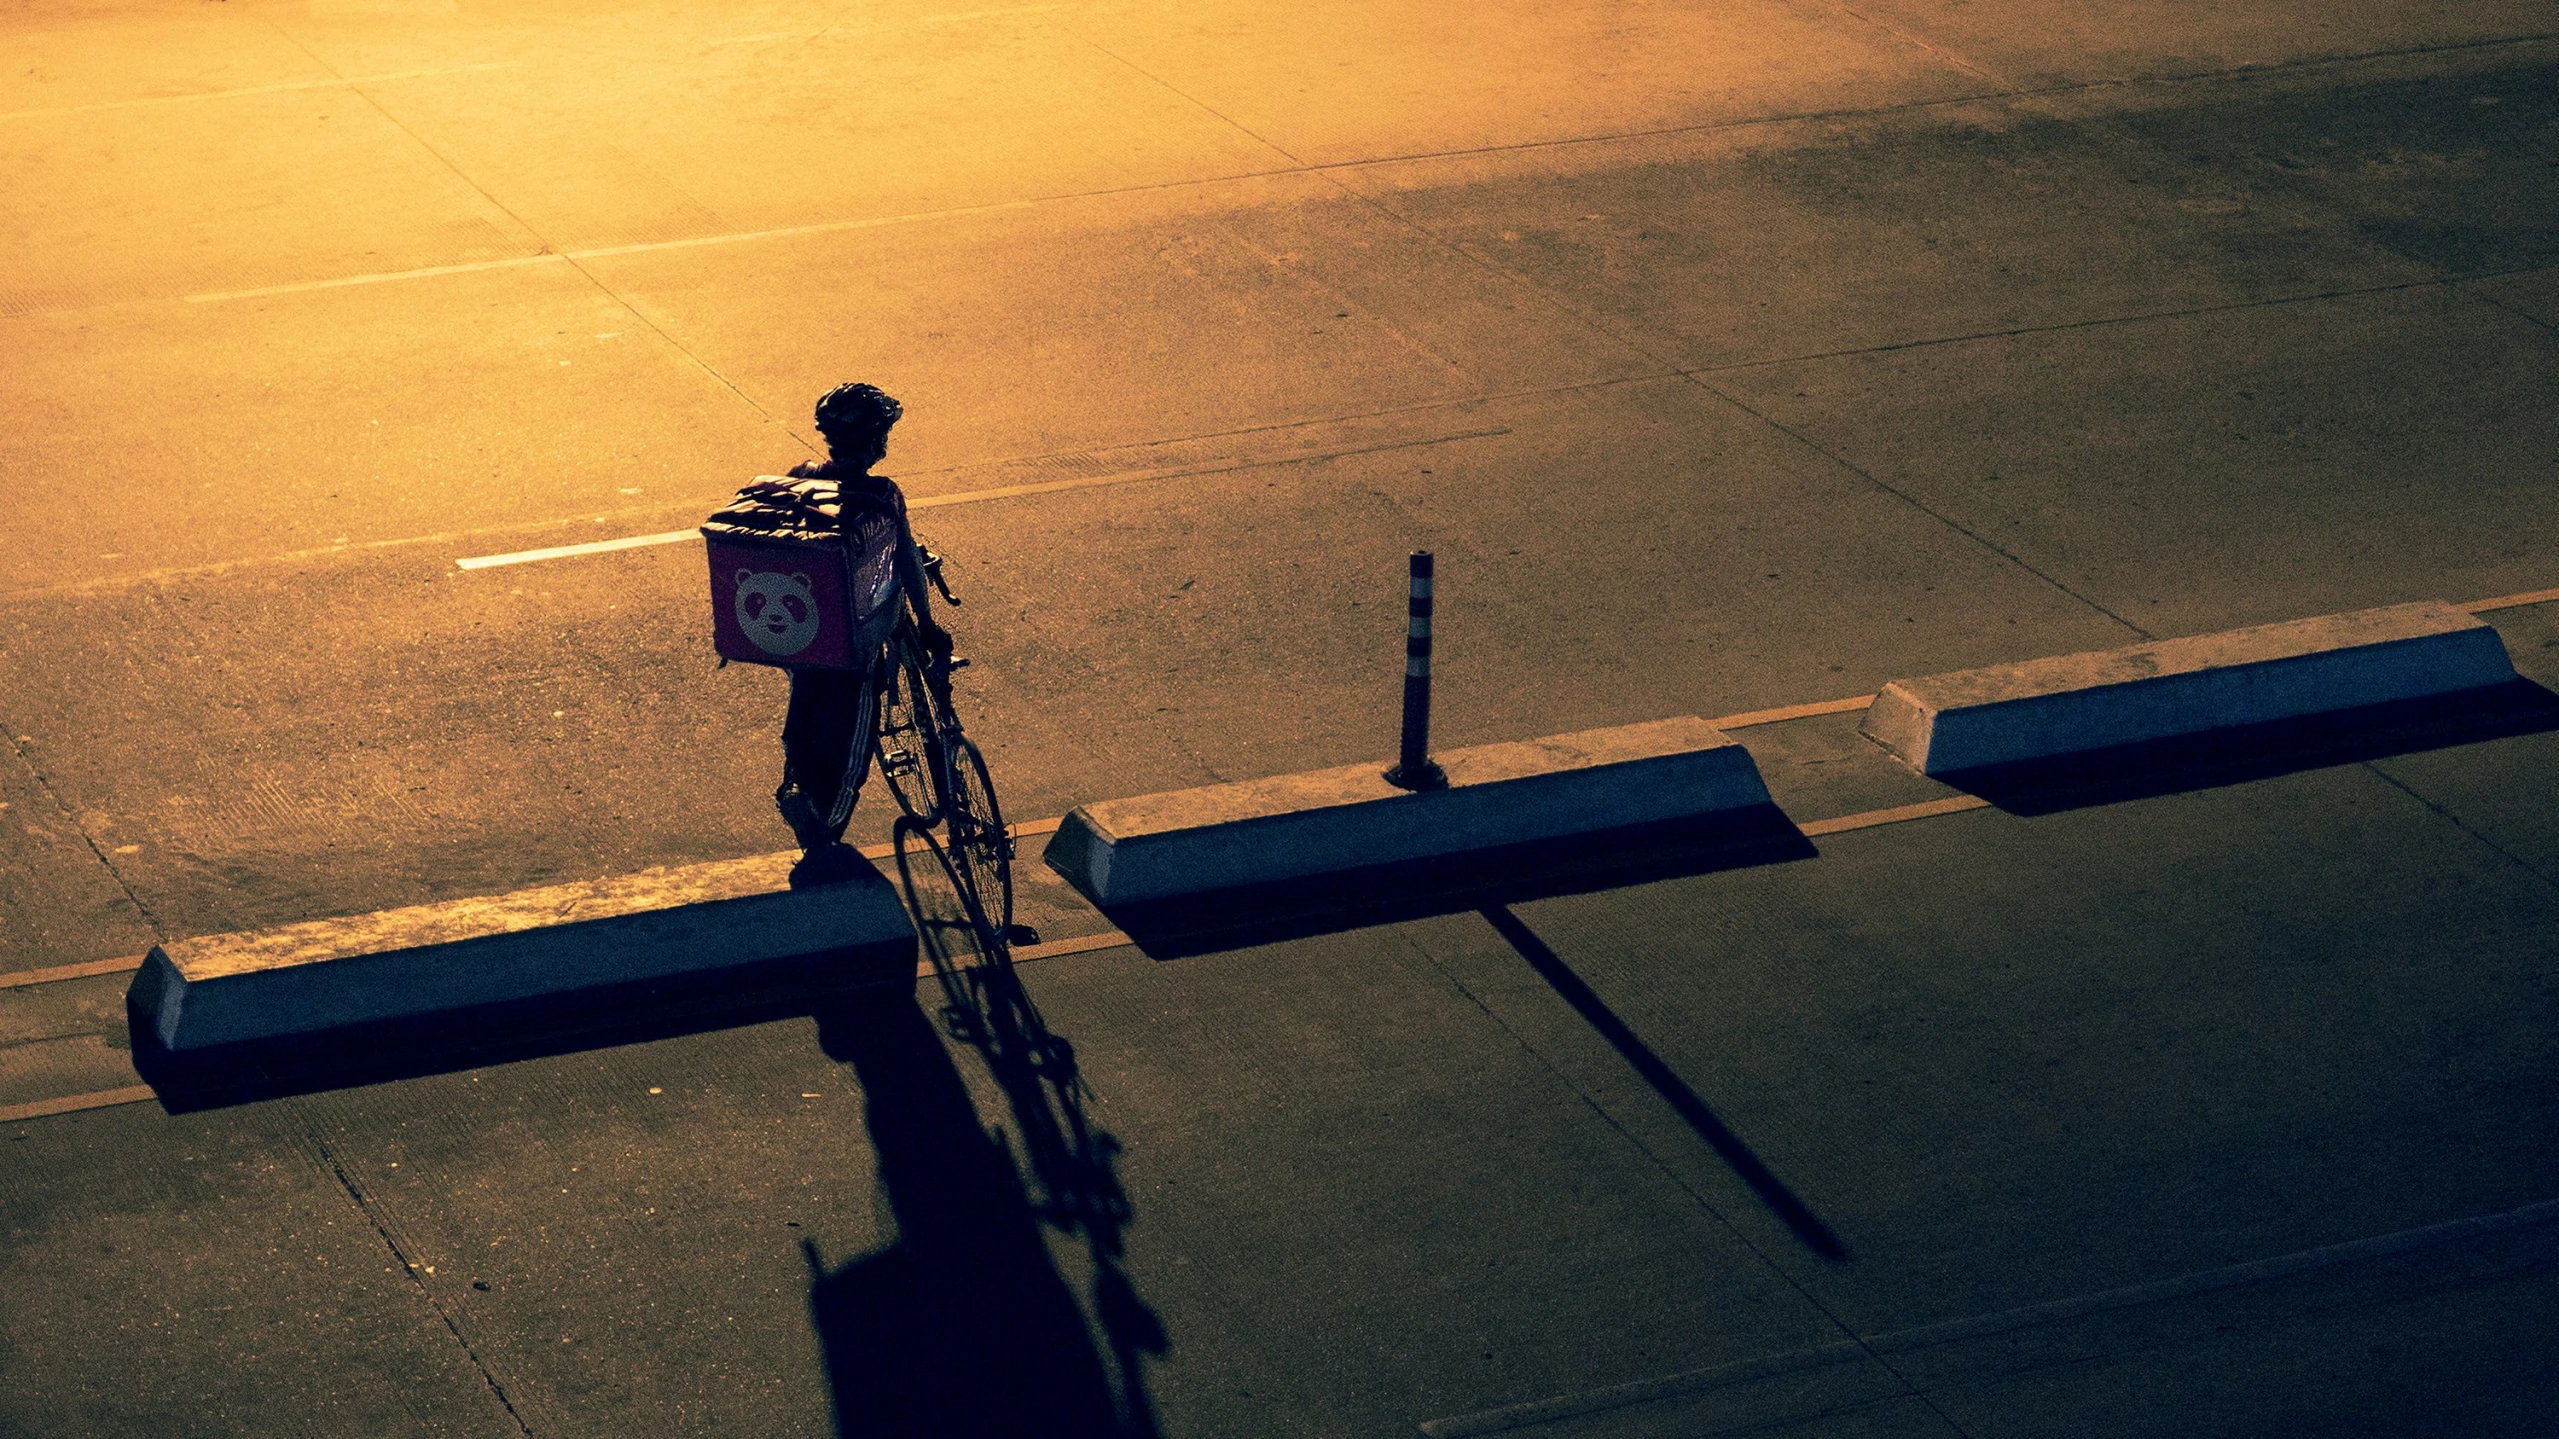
(1417, 777)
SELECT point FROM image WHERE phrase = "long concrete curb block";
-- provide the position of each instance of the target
(692, 923)
(1297, 826)
(2070, 704)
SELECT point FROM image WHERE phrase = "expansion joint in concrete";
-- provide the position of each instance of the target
(1850, 1338)
(2502, 307)
(382, 1230)
(546, 246)
(1914, 502)
(2457, 822)
(1190, 99)
(1935, 52)
(71, 817)
(2138, 317)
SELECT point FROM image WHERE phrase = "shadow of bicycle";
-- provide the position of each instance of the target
(965, 1326)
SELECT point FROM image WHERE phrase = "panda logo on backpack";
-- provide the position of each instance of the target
(776, 611)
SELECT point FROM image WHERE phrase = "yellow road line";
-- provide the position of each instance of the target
(128, 963)
(125, 965)
(1026, 954)
(73, 1103)
(2508, 602)
(1927, 809)
(1059, 949)
(1027, 828)
(1793, 712)
(1082, 944)
(135, 1094)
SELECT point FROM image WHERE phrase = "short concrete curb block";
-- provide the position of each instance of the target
(1299, 826)
(2071, 704)
(709, 926)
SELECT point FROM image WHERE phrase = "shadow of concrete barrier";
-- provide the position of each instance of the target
(1252, 862)
(2242, 753)
(2047, 710)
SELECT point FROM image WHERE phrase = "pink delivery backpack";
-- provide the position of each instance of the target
(800, 577)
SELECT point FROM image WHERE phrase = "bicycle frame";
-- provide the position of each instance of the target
(918, 730)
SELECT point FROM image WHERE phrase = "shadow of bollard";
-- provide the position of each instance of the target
(1675, 1091)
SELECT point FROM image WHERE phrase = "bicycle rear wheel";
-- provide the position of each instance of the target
(980, 850)
(906, 742)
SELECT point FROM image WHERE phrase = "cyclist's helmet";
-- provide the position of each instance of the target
(856, 414)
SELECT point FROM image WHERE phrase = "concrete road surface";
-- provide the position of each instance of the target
(1730, 356)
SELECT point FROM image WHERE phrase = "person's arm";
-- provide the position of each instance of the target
(910, 569)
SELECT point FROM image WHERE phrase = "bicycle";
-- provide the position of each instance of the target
(934, 770)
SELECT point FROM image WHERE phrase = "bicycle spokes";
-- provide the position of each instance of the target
(908, 734)
(981, 851)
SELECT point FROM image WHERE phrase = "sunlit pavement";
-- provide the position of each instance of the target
(1729, 357)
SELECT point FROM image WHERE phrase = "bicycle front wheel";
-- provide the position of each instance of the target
(907, 743)
(980, 850)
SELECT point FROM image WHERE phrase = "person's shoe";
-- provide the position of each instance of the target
(830, 863)
(807, 825)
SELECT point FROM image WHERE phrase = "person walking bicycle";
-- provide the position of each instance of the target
(826, 733)
(818, 572)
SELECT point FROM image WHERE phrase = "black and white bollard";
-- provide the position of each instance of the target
(1413, 768)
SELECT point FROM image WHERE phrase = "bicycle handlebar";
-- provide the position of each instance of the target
(933, 572)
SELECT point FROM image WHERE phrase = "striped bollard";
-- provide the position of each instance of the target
(1413, 768)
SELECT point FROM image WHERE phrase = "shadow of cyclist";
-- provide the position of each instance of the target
(964, 1326)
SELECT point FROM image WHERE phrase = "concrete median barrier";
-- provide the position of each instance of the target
(2049, 709)
(1257, 833)
(711, 936)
